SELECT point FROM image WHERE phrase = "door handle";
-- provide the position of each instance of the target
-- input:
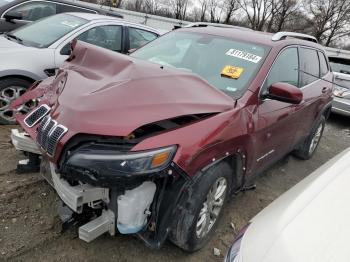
(325, 90)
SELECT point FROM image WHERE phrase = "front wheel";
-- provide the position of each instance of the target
(11, 89)
(308, 148)
(195, 223)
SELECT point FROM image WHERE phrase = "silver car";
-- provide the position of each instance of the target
(308, 223)
(340, 64)
(33, 52)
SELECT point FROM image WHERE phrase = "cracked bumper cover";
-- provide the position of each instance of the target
(76, 196)
(23, 142)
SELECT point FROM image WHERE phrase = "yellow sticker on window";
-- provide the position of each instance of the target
(232, 71)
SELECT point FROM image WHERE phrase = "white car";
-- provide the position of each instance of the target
(308, 223)
(33, 52)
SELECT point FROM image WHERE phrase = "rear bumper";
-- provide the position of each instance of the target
(341, 106)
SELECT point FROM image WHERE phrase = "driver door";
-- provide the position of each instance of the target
(277, 122)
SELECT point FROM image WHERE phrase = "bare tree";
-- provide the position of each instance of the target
(203, 9)
(215, 10)
(230, 6)
(281, 11)
(179, 8)
(329, 18)
(258, 12)
(152, 6)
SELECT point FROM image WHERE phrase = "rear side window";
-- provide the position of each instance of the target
(309, 65)
(139, 37)
(107, 36)
(323, 64)
(285, 68)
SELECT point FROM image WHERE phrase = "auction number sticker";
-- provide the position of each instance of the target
(244, 55)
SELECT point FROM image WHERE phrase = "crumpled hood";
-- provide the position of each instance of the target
(108, 93)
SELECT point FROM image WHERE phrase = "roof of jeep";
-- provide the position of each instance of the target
(258, 37)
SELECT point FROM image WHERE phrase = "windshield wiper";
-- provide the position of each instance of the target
(13, 37)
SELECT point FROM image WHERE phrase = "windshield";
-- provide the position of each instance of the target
(45, 32)
(227, 64)
(340, 65)
(5, 2)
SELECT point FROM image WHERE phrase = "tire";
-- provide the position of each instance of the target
(10, 89)
(308, 148)
(187, 232)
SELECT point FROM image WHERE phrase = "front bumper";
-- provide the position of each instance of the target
(76, 196)
(341, 106)
(23, 142)
(81, 197)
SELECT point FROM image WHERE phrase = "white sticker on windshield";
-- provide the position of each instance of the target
(244, 55)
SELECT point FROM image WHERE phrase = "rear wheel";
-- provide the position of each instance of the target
(308, 148)
(195, 224)
(11, 89)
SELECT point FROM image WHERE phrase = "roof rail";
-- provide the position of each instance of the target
(205, 24)
(283, 35)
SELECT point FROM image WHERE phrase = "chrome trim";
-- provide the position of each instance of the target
(34, 111)
(46, 139)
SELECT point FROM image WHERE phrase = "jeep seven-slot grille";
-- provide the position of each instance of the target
(49, 134)
(36, 115)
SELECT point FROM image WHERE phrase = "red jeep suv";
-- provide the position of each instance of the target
(155, 142)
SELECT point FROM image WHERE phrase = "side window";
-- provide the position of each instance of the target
(108, 36)
(323, 64)
(33, 11)
(285, 68)
(309, 65)
(69, 8)
(139, 37)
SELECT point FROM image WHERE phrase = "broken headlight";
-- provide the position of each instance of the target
(112, 161)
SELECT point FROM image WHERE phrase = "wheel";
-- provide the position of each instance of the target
(196, 222)
(10, 89)
(308, 148)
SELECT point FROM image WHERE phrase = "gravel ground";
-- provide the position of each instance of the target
(30, 228)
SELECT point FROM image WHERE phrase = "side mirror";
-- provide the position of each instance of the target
(13, 16)
(285, 92)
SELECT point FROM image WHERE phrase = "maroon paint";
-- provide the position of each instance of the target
(112, 94)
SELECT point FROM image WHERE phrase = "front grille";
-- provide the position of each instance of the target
(36, 115)
(49, 134)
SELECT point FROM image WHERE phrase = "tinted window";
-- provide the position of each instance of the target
(285, 68)
(310, 68)
(139, 37)
(5, 2)
(109, 36)
(323, 64)
(33, 11)
(69, 8)
(340, 65)
(227, 64)
(47, 31)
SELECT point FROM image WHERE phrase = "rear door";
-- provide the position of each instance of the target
(277, 123)
(316, 91)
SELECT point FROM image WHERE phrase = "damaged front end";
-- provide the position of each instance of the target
(99, 155)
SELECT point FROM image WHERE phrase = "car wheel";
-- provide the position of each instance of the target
(311, 143)
(10, 89)
(199, 215)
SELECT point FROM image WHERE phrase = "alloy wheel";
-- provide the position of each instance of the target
(7, 95)
(211, 207)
